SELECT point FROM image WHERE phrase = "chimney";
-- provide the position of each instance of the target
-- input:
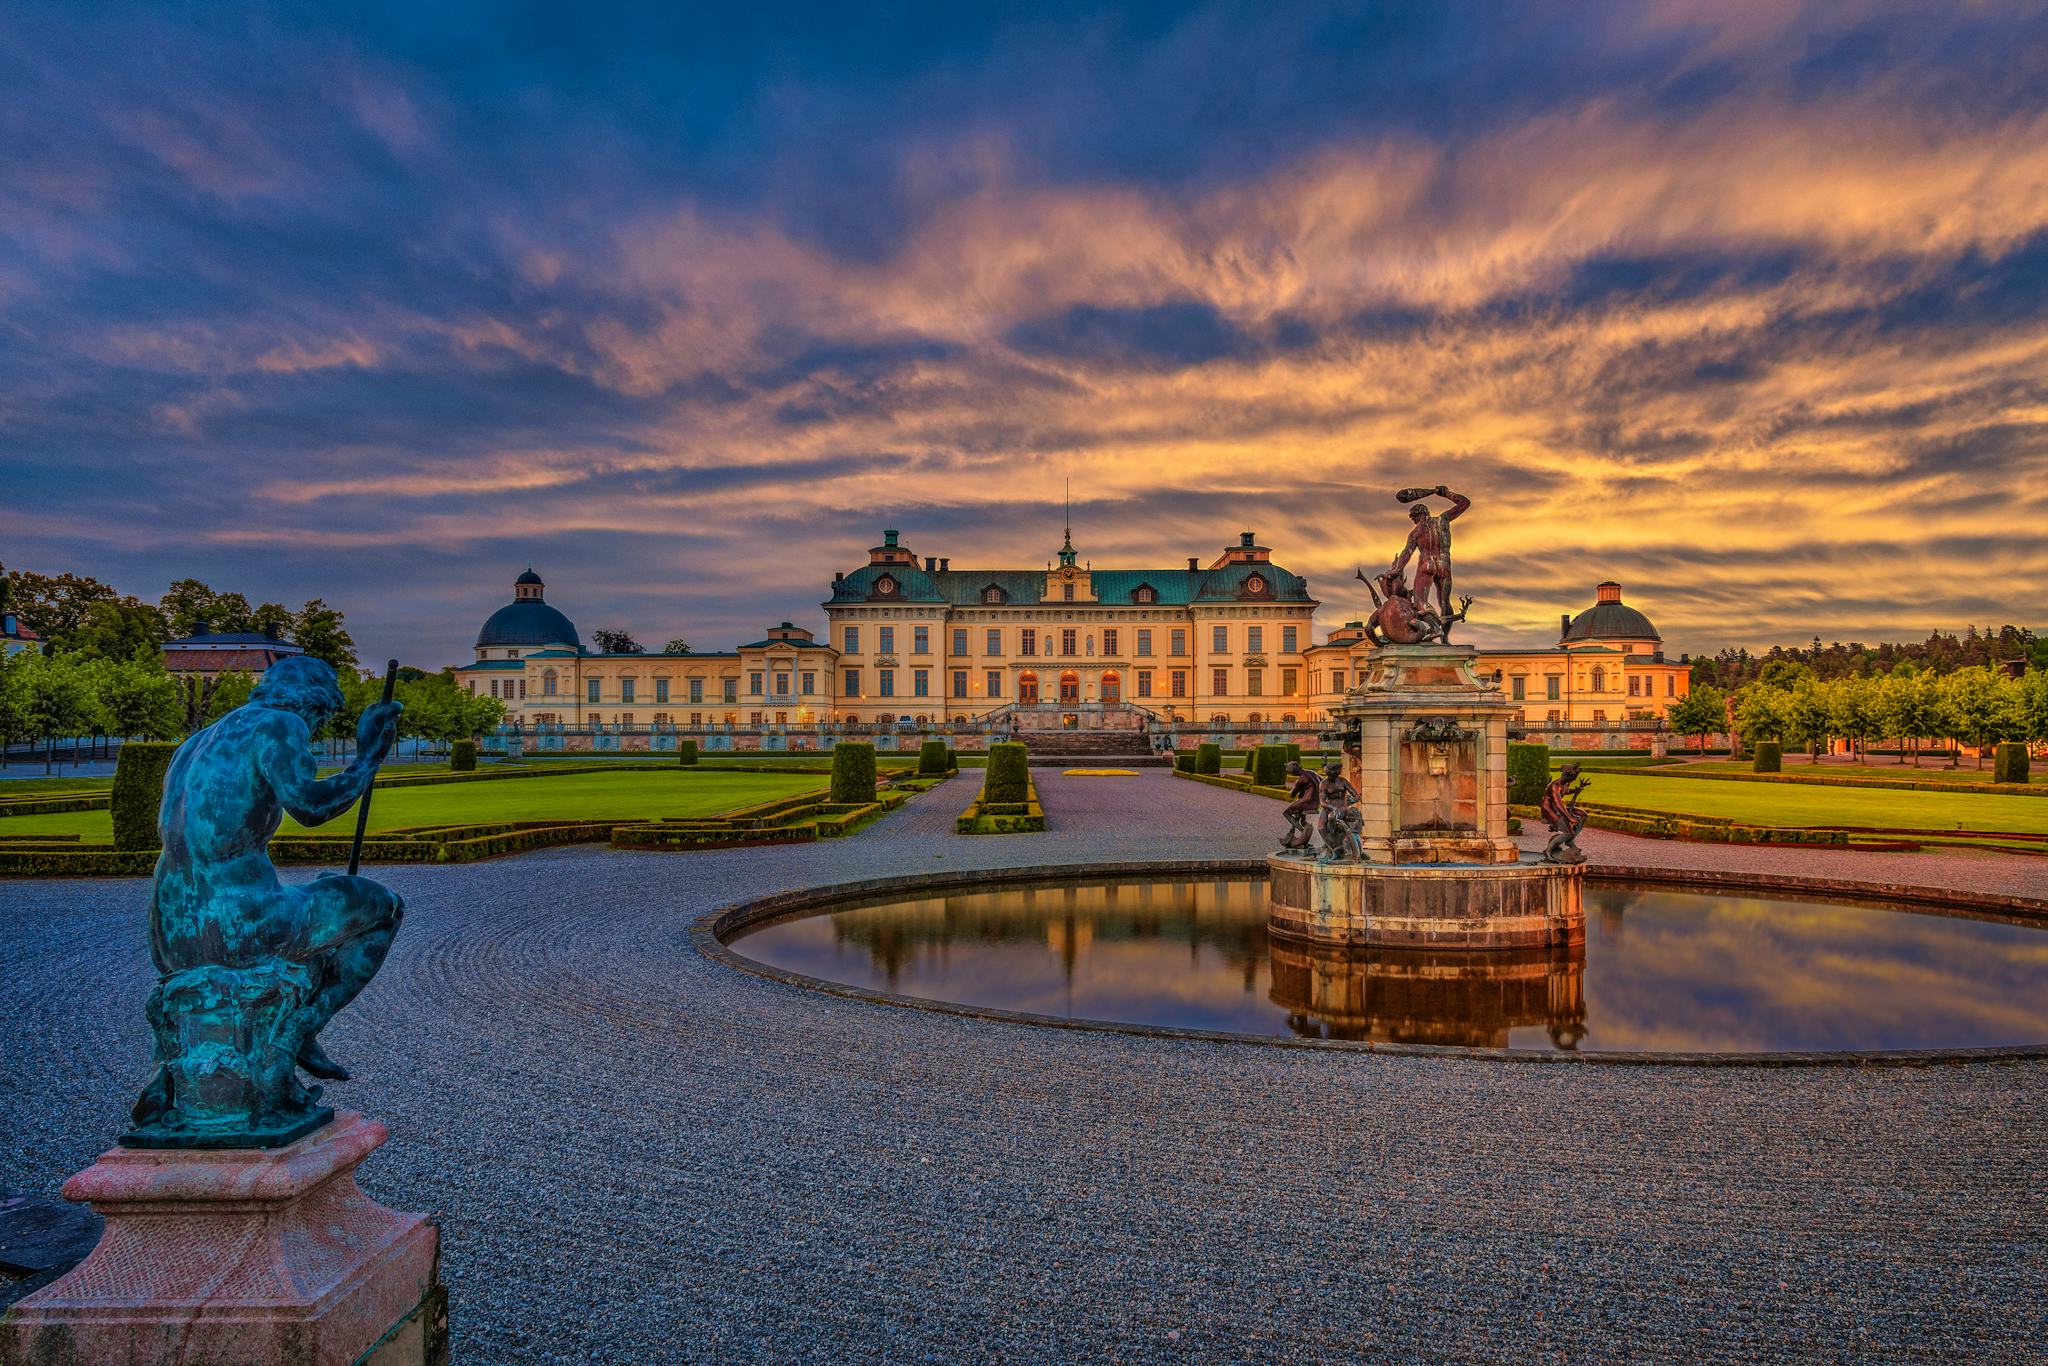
(931, 562)
(1194, 563)
(946, 564)
(1564, 624)
(838, 576)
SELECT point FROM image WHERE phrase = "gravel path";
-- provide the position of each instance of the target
(643, 1156)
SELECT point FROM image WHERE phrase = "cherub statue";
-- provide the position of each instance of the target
(1341, 824)
(251, 970)
(1306, 791)
(1560, 808)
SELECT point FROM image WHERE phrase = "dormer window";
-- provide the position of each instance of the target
(992, 594)
(885, 587)
(1145, 593)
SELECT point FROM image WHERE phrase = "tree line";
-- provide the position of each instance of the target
(1942, 652)
(78, 614)
(1977, 706)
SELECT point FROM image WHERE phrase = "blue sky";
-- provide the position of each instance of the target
(1738, 303)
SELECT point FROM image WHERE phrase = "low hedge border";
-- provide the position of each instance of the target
(1666, 825)
(1236, 782)
(1991, 789)
(52, 806)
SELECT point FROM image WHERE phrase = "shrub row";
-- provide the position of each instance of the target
(51, 806)
(1665, 825)
(138, 793)
(1006, 807)
(1236, 782)
(1994, 789)
(1528, 773)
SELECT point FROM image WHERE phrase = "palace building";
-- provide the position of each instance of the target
(913, 641)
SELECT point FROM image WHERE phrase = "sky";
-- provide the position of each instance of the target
(1741, 304)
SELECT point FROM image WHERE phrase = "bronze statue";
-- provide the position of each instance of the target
(250, 970)
(1560, 808)
(1306, 790)
(1342, 824)
(1429, 544)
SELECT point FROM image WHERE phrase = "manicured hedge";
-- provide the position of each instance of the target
(1184, 761)
(1008, 778)
(1269, 766)
(138, 792)
(987, 816)
(1528, 773)
(686, 753)
(1208, 757)
(462, 757)
(853, 772)
(932, 757)
(1770, 757)
(2009, 763)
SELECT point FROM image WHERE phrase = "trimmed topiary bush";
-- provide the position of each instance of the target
(1184, 760)
(138, 792)
(1293, 753)
(853, 771)
(686, 753)
(931, 757)
(1528, 773)
(1269, 766)
(1208, 757)
(1008, 778)
(952, 759)
(462, 757)
(2009, 763)
(1770, 757)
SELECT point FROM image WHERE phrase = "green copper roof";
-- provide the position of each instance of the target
(1113, 587)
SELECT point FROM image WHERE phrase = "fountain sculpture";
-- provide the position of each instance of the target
(1414, 818)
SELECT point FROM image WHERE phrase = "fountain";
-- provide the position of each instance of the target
(1414, 817)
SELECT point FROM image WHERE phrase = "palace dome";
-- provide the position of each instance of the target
(528, 620)
(1610, 618)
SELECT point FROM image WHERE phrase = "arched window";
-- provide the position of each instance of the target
(1112, 687)
(1219, 720)
(991, 594)
(1288, 719)
(923, 720)
(1027, 689)
(1599, 679)
(547, 682)
(1255, 718)
(1146, 594)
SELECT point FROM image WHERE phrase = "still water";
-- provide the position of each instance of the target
(1661, 971)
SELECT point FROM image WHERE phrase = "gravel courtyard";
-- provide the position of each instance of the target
(641, 1155)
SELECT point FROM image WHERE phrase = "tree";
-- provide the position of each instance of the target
(1807, 722)
(1762, 713)
(678, 646)
(1784, 674)
(1976, 709)
(55, 697)
(1853, 711)
(188, 604)
(1700, 713)
(11, 725)
(616, 642)
(137, 699)
(272, 619)
(2033, 705)
(319, 631)
(230, 690)
(55, 606)
(124, 629)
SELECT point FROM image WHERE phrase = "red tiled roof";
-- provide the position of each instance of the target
(217, 661)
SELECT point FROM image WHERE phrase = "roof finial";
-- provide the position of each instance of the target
(1067, 544)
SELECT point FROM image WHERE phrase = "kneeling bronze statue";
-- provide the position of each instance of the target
(251, 970)
(1306, 792)
(1560, 808)
(1342, 824)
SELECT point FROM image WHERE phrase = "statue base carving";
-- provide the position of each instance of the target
(240, 1255)
(1427, 905)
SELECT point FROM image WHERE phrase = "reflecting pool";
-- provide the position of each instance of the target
(1661, 970)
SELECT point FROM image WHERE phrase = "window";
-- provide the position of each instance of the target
(1290, 637)
(591, 693)
(852, 638)
(920, 640)
(1029, 638)
(885, 682)
(920, 682)
(885, 642)
(1144, 641)
(597, 720)
(959, 640)
(1671, 685)
(782, 685)
(1219, 682)
(1254, 639)
(660, 718)
(1551, 686)
(1336, 680)
(1109, 642)
(995, 682)
(852, 680)
(1146, 594)
(1219, 640)
(753, 718)
(1520, 687)
(547, 683)
(959, 682)
(1635, 686)
(696, 719)
(754, 684)
(1179, 641)
(661, 690)
(1066, 642)
(627, 687)
(995, 641)
(522, 690)
(696, 690)
(1599, 718)
(810, 682)
(731, 689)
(1599, 679)
(1551, 716)
(1068, 592)
(991, 594)
(1254, 683)
(1180, 683)
(1290, 682)
(625, 720)
(1144, 682)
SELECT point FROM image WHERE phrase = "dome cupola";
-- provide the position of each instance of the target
(527, 620)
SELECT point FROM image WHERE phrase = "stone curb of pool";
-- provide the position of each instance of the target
(709, 932)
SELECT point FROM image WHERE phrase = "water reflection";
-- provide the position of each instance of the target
(1660, 971)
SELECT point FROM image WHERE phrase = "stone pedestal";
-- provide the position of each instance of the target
(1427, 906)
(1459, 998)
(240, 1257)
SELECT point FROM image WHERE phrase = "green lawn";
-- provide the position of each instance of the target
(1792, 804)
(658, 792)
(1934, 770)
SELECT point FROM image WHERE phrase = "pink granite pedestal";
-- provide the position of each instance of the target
(240, 1257)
